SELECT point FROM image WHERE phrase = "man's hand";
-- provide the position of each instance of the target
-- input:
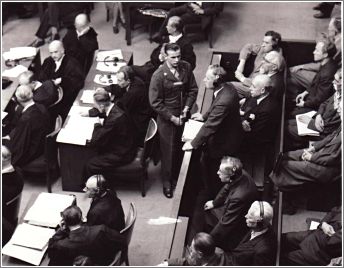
(301, 103)
(239, 76)
(327, 229)
(7, 137)
(301, 96)
(242, 101)
(197, 117)
(187, 146)
(246, 126)
(184, 114)
(294, 69)
(306, 155)
(199, 11)
(319, 123)
(209, 205)
(57, 81)
(241, 66)
(176, 120)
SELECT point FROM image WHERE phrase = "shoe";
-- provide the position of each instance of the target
(168, 192)
(318, 7)
(37, 43)
(55, 37)
(115, 29)
(321, 15)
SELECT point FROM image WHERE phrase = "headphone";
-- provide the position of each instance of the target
(99, 184)
(261, 215)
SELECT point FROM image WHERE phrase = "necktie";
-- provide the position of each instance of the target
(176, 73)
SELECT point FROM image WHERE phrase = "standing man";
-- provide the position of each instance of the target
(172, 93)
(222, 131)
(106, 207)
(81, 42)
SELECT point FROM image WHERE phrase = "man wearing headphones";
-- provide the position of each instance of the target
(271, 41)
(222, 131)
(224, 215)
(106, 207)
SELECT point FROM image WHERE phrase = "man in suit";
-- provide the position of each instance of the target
(26, 141)
(73, 239)
(314, 247)
(64, 71)
(221, 132)
(192, 12)
(225, 214)
(81, 42)
(174, 28)
(259, 114)
(258, 247)
(321, 87)
(113, 139)
(106, 207)
(271, 42)
(326, 120)
(172, 93)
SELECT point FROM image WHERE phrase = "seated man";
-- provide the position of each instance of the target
(259, 115)
(64, 71)
(320, 163)
(192, 12)
(175, 35)
(54, 15)
(114, 139)
(271, 42)
(321, 86)
(27, 139)
(81, 42)
(225, 214)
(106, 207)
(43, 93)
(314, 247)
(258, 247)
(73, 239)
(326, 120)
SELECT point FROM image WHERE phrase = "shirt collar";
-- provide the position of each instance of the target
(27, 107)
(174, 39)
(259, 100)
(84, 31)
(217, 91)
(110, 107)
(58, 63)
(256, 234)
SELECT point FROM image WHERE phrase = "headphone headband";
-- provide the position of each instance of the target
(261, 208)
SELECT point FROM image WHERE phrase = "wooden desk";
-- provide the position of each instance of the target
(74, 157)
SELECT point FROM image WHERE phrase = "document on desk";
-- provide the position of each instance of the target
(77, 130)
(109, 55)
(110, 66)
(17, 53)
(14, 72)
(191, 129)
(32, 236)
(105, 80)
(302, 121)
(47, 208)
(87, 96)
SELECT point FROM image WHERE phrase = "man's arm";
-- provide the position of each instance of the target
(192, 89)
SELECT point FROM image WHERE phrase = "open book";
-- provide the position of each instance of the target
(302, 121)
(191, 129)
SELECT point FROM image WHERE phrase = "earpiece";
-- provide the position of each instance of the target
(261, 209)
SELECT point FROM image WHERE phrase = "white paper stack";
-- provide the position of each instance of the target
(17, 53)
(110, 66)
(87, 96)
(105, 80)
(191, 129)
(302, 128)
(109, 55)
(14, 72)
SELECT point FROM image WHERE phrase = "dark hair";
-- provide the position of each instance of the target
(72, 215)
(276, 38)
(177, 23)
(235, 164)
(218, 71)
(171, 46)
(128, 72)
(204, 243)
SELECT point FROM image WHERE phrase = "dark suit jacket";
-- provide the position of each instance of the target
(28, 137)
(277, 83)
(70, 71)
(99, 242)
(106, 210)
(321, 88)
(116, 135)
(222, 131)
(264, 126)
(46, 94)
(186, 49)
(81, 48)
(260, 251)
(231, 205)
(210, 9)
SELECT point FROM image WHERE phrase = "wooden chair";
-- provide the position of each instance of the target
(137, 169)
(48, 162)
(122, 256)
(205, 30)
(60, 96)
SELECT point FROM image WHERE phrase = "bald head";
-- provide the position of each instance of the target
(25, 78)
(260, 85)
(24, 94)
(95, 186)
(81, 22)
(273, 62)
(56, 50)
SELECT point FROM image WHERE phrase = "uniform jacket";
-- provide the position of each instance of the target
(222, 131)
(166, 97)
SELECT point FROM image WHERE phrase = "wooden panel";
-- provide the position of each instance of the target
(178, 245)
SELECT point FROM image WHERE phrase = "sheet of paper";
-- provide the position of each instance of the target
(47, 208)
(109, 55)
(32, 256)
(302, 128)
(105, 80)
(3, 114)
(32, 236)
(314, 225)
(191, 129)
(76, 110)
(87, 96)
(77, 130)
(162, 220)
(16, 53)
(15, 71)
(110, 66)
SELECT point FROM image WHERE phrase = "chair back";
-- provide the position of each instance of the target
(11, 209)
(50, 151)
(148, 144)
(60, 96)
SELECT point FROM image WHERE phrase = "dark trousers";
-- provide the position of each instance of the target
(291, 253)
(185, 13)
(171, 151)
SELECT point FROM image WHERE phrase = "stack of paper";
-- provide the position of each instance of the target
(105, 80)
(15, 71)
(17, 53)
(110, 66)
(191, 129)
(87, 96)
(302, 128)
(109, 55)
(47, 208)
